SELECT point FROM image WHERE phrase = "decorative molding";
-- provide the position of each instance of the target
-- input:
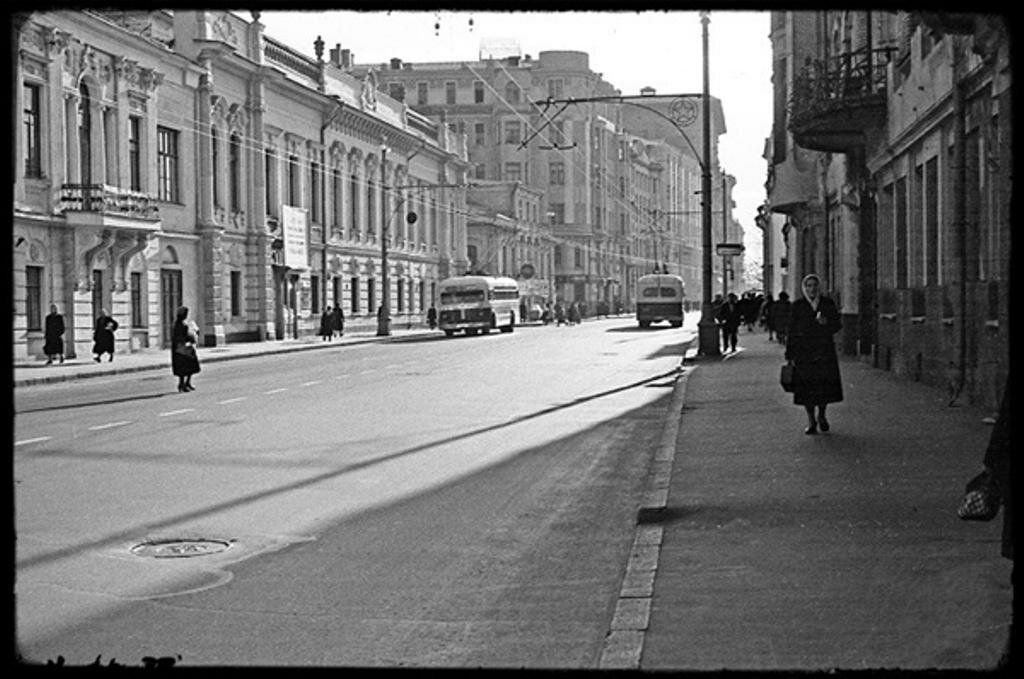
(368, 93)
(224, 31)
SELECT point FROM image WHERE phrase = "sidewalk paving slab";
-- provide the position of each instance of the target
(788, 551)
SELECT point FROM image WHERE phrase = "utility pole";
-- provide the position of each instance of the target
(726, 259)
(384, 314)
(707, 329)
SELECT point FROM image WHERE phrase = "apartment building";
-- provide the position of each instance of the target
(186, 158)
(892, 163)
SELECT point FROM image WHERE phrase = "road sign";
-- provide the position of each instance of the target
(729, 249)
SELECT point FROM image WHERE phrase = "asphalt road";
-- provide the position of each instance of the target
(457, 502)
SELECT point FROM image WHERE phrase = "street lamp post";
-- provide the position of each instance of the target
(707, 329)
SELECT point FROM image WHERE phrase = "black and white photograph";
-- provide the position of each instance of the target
(500, 338)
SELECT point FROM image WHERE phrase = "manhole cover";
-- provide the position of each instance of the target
(179, 549)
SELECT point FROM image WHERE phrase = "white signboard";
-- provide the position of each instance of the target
(293, 228)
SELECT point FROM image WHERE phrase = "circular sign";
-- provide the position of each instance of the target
(411, 217)
(683, 111)
(526, 271)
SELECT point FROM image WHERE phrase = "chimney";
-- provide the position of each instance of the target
(347, 59)
(396, 64)
(335, 55)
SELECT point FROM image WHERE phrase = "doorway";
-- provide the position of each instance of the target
(170, 300)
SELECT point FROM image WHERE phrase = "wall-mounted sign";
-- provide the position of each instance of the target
(293, 227)
(526, 271)
(729, 249)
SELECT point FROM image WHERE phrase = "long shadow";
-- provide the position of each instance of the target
(87, 404)
(637, 329)
(150, 528)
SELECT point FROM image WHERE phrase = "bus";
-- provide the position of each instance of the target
(659, 298)
(478, 304)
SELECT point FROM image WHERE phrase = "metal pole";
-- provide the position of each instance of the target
(707, 329)
(384, 316)
(726, 260)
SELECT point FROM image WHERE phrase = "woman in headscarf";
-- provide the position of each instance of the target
(103, 335)
(814, 319)
(184, 360)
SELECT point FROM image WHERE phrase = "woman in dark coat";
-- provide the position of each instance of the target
(103, 336)
(184, 360)
(810, 348)
(54, 335)
(338, 321)
(780, 316)
(327, 324)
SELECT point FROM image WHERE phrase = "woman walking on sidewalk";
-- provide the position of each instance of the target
(103, 336)
(54, 335)
(810, 348)
(184, 360)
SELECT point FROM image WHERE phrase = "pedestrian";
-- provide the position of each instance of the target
(327, 323)
(53, 336)
(730, 315)
(811, 350)
(559, 313)
(764, 317)
(338, 321)
(547, 314)
(779, 320)
(103, 335)
(523, 313)
(432, 317)
(184, 360)
(575, 315)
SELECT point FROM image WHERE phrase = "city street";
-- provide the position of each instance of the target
(425, 501)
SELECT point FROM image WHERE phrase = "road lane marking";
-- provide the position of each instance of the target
(306, 384)
(232, 400)
(35, 440)
(177, 412)
(274, 391)
(108, 425)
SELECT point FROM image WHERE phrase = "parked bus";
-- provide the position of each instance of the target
(478, 304)
(659, 298)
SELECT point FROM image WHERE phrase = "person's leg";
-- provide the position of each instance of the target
(822, 422)
(812, 425)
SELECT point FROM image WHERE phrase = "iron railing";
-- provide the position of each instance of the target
(841, 82)
(107, 199)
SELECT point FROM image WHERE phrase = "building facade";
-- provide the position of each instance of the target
(185, 158)
(892, 163)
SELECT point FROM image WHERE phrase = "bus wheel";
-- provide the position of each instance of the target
(677, 324)
(645, 324)
(449, 333)
(471, 331)
(511, 323)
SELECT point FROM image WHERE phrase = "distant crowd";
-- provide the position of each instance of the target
(754, 310)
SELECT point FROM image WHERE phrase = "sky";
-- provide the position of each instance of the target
(660, 49)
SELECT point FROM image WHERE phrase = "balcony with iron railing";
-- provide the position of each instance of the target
(835, 103)
(92, 203)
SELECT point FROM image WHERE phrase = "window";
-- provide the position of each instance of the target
(421, 94)
(34, 297)
(556, 172)
(481, 170)
(577, 257)
(932, 221)
(235, 172)
(423, 292)
(167, 164)
(85, 135)
(901, 232)
(400, 289)
(135, 153)
(370, 224)
(555, 86)
(449, 92)
(411, 283)
(314, 287)
(480, 134)
(513, 132)
(97, 292)
(31, 116)
(513, 172)
(558, 256)
(512, 92)
(396, 91)
(269, 179)
(336, 199)
(314, 189)
(371, 296)
(353, 291)
(557, 213)
(354, 203)
(478, 92)
(215, 154)
(138, 321)
(236, 293)
(336, 292)
(294, 199)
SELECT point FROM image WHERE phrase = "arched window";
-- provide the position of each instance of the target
(235, 172)
(512, 92)
(354, 203)
(85, 134)
(369, 209)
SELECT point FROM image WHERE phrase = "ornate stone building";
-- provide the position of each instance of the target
(185, 158)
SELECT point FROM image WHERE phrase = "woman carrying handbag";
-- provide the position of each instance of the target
(811, 351)
(184, 360)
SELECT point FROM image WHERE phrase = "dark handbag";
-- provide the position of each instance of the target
(787, 377)
(186, 350)
(981, 498)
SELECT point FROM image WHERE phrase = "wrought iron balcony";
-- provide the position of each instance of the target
(110, 200)
(835, 102)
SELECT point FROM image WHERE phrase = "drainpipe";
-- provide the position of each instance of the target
(960, 199)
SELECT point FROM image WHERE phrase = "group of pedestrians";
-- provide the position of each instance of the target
(332, 323)
(102, 336)
(562, 315)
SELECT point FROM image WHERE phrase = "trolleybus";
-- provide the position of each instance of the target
(659, 298)
(478, 304)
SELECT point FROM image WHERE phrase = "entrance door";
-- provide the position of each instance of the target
(170, 300)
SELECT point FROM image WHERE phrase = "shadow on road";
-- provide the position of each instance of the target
(87, 404)
(636, 328)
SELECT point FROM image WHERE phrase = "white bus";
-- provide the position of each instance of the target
(478, 304)
(659, 298)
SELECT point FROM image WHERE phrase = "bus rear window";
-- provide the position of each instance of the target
(658, 292)
(461, 296)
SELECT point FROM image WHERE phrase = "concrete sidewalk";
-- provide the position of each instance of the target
(787, 551)
(33, 372)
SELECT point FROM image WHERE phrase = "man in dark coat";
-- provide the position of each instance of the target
(327, 324)
(338, 321)
(54, 335)
(729, 316)
(103, 335)
(811, 349)
(780, 316)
